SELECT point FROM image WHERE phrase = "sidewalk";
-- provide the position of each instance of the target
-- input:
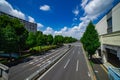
(99, 70)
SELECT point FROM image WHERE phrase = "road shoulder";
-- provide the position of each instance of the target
(93, 77)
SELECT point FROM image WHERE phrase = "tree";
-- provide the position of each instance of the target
(18, 31)
(31, 40)
(49, 39)
(4, 20)
(39, 39)
(58, 40)
(90, 40)
(69, 39)
(10, 40)
(21, 33)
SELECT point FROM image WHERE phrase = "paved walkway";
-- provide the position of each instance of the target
(99, 70)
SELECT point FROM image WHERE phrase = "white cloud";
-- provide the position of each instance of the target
(84, 2)
(31, 19)
(49, 30)
(93, 9)
(74, 19)
(45, 8)
(76, 11)
(40, 25)
(7, 8)
(65, 31)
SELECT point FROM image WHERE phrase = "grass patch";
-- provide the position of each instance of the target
(43, 48)
(25, 55)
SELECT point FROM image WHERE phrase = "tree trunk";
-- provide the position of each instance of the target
(10, 55)
(90, 56)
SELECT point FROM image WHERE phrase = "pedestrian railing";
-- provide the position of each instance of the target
(4, 72)
(114, 73)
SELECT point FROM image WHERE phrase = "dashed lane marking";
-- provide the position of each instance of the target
(66, 63)
(77, 66)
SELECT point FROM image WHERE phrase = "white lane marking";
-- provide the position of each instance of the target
(77, 65)
(38, 64)
(31, 62)
(52, 66)
(36, 60)
(49, 62)
(66, 63)
(41, 58)
(88, 74)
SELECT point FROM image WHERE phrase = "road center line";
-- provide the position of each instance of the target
(77, 65)
(66, 63)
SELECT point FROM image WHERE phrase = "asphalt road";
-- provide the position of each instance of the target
(72, 66)
(25, 69)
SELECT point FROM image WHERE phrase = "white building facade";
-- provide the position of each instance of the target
(109, 34)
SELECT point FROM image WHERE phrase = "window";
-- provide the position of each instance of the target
(109, 23)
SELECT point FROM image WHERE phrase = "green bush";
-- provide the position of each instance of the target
(42, 48)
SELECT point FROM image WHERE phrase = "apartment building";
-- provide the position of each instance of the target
(31, 27)
(109, 34)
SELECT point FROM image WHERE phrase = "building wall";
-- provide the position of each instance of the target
(110, 34)
(116, 18)
(101, 26)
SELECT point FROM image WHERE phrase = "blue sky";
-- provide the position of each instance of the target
(64, 17)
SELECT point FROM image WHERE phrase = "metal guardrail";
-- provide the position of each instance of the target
(45, 66)
(4, 72)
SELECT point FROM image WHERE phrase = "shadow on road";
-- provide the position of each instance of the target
(96, 60)
(16, 62)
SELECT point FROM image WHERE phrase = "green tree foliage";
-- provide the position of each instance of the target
(69, 40)
(4, 21)
(16, 29)
(49, 39)
(39, 38)
(10, 39)
(90, 40)
(31, 40)
(15, 38)
(21, 33)
(58, 40)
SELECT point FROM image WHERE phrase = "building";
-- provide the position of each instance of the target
(31, 27)
(109, 34)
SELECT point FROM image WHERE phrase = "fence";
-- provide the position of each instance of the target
(114, 73)
(4, 72)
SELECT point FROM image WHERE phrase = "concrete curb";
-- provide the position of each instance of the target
(105, 66)
(93, 77)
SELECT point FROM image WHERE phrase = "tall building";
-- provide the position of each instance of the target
(109, 34)
(31, 27)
